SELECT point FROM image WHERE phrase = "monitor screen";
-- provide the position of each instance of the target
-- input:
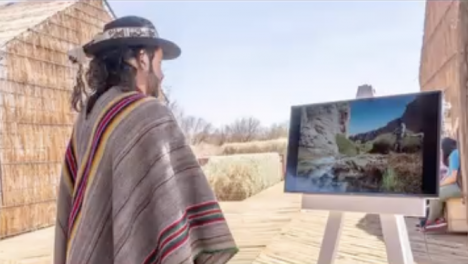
(373, 146)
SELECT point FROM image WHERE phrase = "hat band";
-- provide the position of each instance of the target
(78, 55)
(131, 32)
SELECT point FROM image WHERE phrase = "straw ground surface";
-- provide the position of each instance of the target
(36, 79)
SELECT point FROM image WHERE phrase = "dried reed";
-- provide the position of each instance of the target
(237, 177)
(206, 150)
(276, 145)
(28, 217)
(35, 115)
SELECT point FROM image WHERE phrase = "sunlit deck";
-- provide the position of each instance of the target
(270, 228)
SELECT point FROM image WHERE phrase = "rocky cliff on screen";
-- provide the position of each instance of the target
(362, 146)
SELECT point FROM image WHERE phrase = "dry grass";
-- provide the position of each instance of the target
(206, 150)
(407, 170)
(237, 177)
(36, 80)
(277, 145)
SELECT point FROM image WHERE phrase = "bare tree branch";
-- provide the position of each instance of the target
(198, 130)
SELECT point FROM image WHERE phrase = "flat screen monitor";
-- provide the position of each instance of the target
(372, 146)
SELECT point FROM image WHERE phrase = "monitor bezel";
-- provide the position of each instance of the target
(430, 183)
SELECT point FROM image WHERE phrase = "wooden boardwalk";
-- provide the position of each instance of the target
(270, 228)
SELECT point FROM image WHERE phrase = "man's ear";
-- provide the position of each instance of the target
(138, 62)
(133, 62)
(143, 60)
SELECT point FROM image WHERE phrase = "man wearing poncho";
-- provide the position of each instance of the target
(132, 191)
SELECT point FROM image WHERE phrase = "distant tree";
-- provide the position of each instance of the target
(278, 130)
(220, 136)
(172, 104)
(245, 129)
(196, 129)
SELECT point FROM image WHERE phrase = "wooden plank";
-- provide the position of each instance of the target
(30, 248)
(456, 216)
(270, 228)
(263, 217)
(361, 242)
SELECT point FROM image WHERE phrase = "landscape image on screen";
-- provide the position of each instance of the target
(361, 146)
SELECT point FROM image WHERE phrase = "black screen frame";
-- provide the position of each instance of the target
(432, 137)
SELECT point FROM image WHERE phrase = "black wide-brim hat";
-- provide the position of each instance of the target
(130, 31)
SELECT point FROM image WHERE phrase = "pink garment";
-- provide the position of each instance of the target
(443, 171)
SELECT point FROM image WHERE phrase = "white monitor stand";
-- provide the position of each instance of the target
(391, 210)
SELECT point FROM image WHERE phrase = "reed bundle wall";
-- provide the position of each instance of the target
(444, 63)
(439, 68)
(463, 18)
(35, 115)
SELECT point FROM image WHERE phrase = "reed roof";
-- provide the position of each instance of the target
(17, 17)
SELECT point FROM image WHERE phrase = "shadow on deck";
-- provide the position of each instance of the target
(270, 228)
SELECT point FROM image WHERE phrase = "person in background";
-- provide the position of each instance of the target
(442, 173)
(131, 189)
(443, 170)
(449, 186)
(400, 133)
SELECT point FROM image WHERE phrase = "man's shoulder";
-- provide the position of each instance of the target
(149, 103)
(144, 111)
(131, 102)
(144, 115)
(126, 102)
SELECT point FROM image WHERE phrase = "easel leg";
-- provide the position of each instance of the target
(396, 239)
(331, 237)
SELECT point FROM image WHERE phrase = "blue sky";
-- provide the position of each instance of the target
(367, 115)
(257, 58)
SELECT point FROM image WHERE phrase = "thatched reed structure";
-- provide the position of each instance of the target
(444, 65)
(36, 79)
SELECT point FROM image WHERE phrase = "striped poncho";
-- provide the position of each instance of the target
(132, 191)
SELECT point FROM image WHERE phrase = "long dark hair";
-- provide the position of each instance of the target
(106, 70)
(448, 146)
